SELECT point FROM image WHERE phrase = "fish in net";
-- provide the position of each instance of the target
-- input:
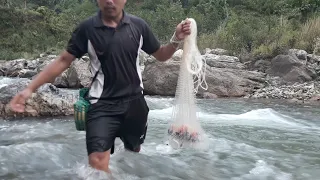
(185, 129)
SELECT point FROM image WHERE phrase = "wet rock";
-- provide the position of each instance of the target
(313, 59)
(143, 58)
(61, 81)
(291, 91)
(217, 51)
(78, 75)
(20, 68)
(261, 65)
(207, 95)
(160, 78)
(290, 69)
(300, 54)
(26, 73)
(226, 75)
(223, 61)
(316, 97)
(227, 80)
(48, 100)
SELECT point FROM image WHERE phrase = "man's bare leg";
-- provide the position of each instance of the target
(100, 161)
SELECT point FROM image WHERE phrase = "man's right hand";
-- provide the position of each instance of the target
(18, 102)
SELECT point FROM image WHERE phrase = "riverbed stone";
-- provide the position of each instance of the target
(48, 100)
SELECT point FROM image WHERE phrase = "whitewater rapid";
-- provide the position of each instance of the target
(258, 140)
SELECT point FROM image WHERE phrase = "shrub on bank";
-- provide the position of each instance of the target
(255, 29)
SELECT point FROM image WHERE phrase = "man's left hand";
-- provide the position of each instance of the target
(183, 30)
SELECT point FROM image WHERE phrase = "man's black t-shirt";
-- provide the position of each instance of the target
(116, 51)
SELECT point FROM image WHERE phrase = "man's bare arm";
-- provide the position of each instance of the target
(165, 52)
(52, 70)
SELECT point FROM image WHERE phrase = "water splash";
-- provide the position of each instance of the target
(242, 146)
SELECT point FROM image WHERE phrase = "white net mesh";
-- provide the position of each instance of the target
(185, 129)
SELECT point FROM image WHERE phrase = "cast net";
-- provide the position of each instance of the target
(185, 129)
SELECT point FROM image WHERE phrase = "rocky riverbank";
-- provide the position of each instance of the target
(293, 76)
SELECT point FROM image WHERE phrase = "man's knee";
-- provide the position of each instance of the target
(137, 149)
(100, 160)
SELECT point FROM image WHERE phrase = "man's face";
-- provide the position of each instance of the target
(111, 8)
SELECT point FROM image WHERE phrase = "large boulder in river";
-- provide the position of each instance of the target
(227, 82)
(160, 78)
(291, 69)
(223, 61)
(47, 101)
(76, 76)
(228, 79)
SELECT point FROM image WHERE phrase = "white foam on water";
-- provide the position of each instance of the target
(86, 172)
(156, 103)
(256, 118)
(33, 153)
(222, 145)
(261, 169)
(264, 171)
(5, 81)
(156, 149)
(161, 114)
(166, 101)
(123, 163)
(264, 118)
(3, 85)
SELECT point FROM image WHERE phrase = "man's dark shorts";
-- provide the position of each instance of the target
(126, 119)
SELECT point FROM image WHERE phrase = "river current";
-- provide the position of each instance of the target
(248, 140)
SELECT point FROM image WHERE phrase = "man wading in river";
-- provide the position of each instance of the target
(112, 38)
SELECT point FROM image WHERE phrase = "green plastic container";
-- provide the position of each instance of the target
(80, 110)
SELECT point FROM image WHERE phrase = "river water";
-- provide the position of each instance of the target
(248, 140)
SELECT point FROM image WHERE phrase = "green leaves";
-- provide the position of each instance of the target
(259, 27)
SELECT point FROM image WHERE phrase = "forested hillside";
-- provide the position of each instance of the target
(248, 28)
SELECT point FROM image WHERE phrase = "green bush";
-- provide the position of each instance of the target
(251, 28)
(309, 34)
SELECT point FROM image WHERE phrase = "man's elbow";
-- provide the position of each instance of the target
(161, 55)
(60, 64)
(66, 58)
(162, 58)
